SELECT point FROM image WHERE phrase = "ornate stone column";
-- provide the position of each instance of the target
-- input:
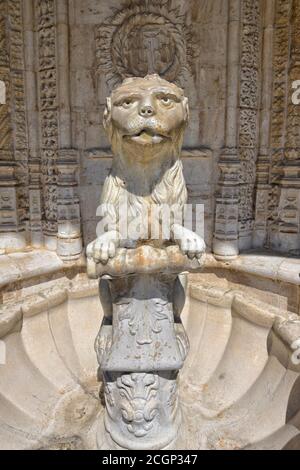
(59, 161)
(69, 243)
(225, 243)
(13, 132)
(45, 12)
(260, 234)
(249, 107)
(34, 161)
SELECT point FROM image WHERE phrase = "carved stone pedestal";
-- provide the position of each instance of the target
(142, 345)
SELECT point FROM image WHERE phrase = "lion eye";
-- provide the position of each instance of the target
(165, 100)
(127, 103)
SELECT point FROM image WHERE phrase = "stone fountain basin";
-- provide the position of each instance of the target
(239, 387)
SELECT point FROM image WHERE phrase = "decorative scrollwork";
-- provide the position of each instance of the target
(144, 322)
(139, 401)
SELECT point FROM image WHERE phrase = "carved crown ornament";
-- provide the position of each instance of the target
(144, 37)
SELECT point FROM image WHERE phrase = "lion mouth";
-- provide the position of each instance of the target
(147, 137)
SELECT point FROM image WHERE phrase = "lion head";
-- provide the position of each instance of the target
(145, 119)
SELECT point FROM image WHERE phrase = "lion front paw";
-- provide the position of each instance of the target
(189, 242)
(104, 247)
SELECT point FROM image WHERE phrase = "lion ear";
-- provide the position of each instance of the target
(107, 117)
(186, 109)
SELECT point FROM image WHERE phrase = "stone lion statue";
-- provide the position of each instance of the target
(145, 119)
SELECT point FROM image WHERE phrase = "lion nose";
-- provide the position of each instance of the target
(147, 110)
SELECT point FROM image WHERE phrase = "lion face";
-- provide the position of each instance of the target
(145, 119)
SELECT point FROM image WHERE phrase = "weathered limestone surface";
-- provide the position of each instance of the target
(237, 61)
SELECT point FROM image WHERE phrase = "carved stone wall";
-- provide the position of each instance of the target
(236, 60)
(39, 167)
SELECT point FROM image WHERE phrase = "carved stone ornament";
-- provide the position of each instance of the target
(142, 38)
(142, 343)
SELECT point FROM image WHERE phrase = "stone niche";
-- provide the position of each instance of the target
(109, 42)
